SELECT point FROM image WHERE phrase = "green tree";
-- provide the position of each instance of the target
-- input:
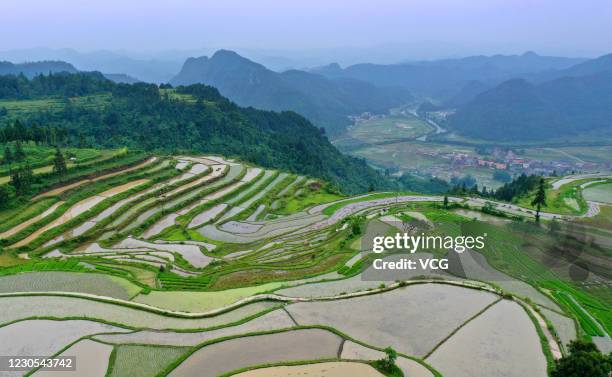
(59, 163)
(387, 364)
(540, 199)
(19, 153)
(8, 155)
(356, 228)
(584, 360)
(4, 196)
(82, 141)
(21, 179)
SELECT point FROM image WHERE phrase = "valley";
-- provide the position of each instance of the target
(402, 142)
(197, 213)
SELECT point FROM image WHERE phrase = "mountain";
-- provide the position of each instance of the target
(443, 79)
(149, 69)
(188, 118)
(326, 102)
(587, 68)
(35, 68)
(519, 110)
(32, 69)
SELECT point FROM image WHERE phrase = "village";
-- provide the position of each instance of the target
(511, 161)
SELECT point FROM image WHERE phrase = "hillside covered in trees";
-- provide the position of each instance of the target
(32, 69)
(576, 101)
(96, 112)
(520, 110)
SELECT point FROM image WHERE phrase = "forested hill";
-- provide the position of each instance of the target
(326, 102)
(35, 68)
(518, 110)
(98, 112)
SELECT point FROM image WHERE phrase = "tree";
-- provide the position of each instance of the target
(19, 153)
(82, 141)
(584, 360)
(356, 228)
(445, 201)
(540, 199)
(388, 363)
(8, 156)
(59, 164)
(21, 179)
(4, 196)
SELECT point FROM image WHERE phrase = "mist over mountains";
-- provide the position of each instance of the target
(155, 70)
(499, 97)
(443, 78)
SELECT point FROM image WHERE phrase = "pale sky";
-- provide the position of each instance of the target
(562, 27)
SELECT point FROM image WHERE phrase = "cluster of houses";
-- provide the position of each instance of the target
(501, 159)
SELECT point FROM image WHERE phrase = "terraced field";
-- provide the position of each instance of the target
(167, 265)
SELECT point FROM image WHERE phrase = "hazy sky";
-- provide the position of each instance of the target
(568, 27)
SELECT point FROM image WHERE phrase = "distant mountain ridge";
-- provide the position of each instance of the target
(578, 102)
(326, 102)
(444, 78)
(32, 69)
(155, 70)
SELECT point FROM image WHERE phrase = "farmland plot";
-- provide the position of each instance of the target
(191, 253)
(277, 319)
(143, 361)
(500, 342)
(355, 351)
(256, 186)
(62, 189)
(475, 266)
(233, 354)
(64, 307)
(31, 221)
(80, 208)
(201, 301)
(46, 281)
(92, 360)
(51, 336)
(599, 193)
(411, 319)
(565, 326)
(207, 216)
(298, 180)
(264, 228)
(329, 369)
